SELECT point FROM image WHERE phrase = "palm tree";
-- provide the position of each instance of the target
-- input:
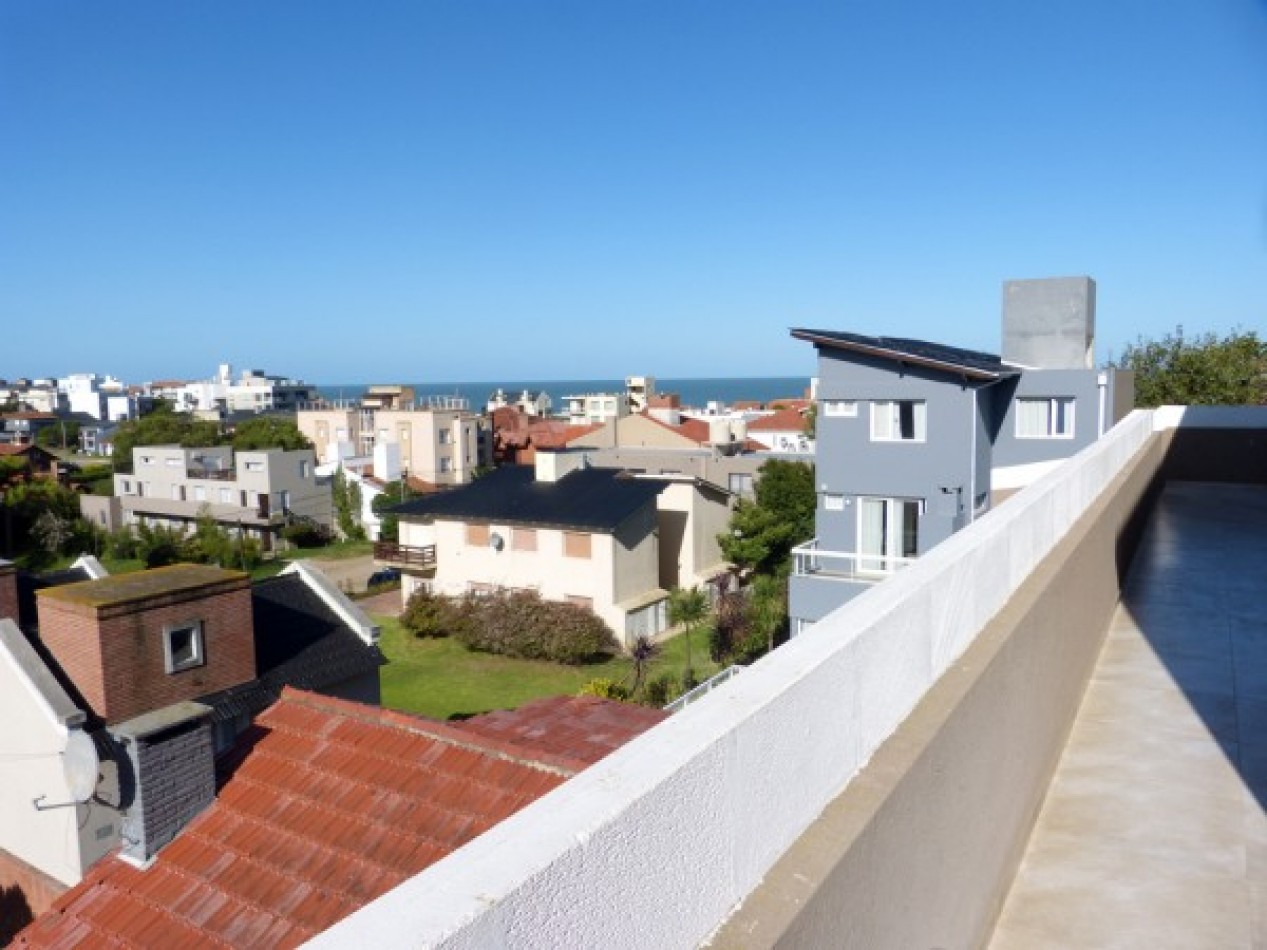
(642, 651)
(687, 606)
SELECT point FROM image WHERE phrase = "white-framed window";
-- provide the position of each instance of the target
(523, 539)
(446, 465)
(200, 493)
(888, 529)
(840, 408)
(446, 437)
(226, 496)
(1046, 418)
(899, 420)
(174, 463)
(183, 646)
(740, 483)
(833, 502)
(255, 466)
(126, 486)
(284, 497)
(147, 460)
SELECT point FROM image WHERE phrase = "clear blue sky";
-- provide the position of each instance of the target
(443, 191)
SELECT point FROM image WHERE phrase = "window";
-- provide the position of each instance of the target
(898, 420)
(446, 465)
(173, 463)
(226, 496)
(178, 492)
(255, 466)
(576, 544)
(284, 498)
(1044, 418)
(147, 460)
(740, 484)
(840, 407)
(446, 437)
(126, 486)
(888, 529)
(303, 468)
(477, 535)
(523, 539)
(182, 646)
(833, 502)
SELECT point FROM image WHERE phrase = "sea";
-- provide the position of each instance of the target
(696, 393)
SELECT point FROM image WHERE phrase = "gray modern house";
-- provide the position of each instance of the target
(916, 440)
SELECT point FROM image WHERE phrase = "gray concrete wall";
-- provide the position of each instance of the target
(920, 849)
(811, 597)
(1049, 323)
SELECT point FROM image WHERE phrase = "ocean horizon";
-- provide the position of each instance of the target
(696, 393)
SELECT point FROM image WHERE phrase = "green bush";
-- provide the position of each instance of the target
(122, 545)
(521, 624)
(432, 615)
(605, 688)
(307, 534)
(659, 691)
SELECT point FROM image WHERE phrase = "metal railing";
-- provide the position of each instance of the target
(407, 555)
(703, 688)
(808, 558)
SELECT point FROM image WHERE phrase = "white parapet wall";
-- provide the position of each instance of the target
(655, 845)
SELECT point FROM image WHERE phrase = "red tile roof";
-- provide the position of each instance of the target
(782, 421)
(331, 805)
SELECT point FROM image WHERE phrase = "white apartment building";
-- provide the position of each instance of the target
(256, 492)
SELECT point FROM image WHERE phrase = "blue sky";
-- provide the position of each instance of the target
(441, 191)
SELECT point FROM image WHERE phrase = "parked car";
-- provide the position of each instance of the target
(388, 575)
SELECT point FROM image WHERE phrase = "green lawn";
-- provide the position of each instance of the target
(442, 679)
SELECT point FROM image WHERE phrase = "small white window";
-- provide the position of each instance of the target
(200, 493)
(255, 466)
(126, 486)
(840, 408)
(182, 646)
(833, 502)
(1044, 418)
(173, 463)
(446, 465)
(303, 468)
(899, 420)
(226, 496)
(147, 460)
(740, 483)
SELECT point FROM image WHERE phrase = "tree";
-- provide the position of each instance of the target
(393, 494)
(1201, 370)
(347, 507)
(643, 651)
(162, 427)
(687, 606)
(62, 435)
(269, 432)
(764, 531)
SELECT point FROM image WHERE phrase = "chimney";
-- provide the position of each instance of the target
(553, 464)
(1049, 323)
(133, 643)
(167, 775)
(8, 591)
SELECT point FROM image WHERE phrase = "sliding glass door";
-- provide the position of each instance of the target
(888, 528)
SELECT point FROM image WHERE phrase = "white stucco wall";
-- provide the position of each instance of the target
(654, 846)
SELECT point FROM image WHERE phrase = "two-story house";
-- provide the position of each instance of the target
(914, 438)
(255, 492)
(600, 538)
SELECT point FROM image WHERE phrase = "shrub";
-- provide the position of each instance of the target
(432, 615)
(605, 688)
(659, 691)
(159, 546)
(121, 544)
(521, 624)
(307, 534)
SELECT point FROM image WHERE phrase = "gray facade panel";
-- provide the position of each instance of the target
(1079, 384)
(812, 597)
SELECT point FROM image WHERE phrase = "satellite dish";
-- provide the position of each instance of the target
(496, 542)
(80, 762)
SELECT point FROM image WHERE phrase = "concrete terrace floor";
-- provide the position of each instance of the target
(1153, 831)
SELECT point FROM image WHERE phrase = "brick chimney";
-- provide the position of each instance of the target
(134, 643)
(167, 775)
(8, 591)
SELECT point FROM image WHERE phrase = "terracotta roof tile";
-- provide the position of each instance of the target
(781, 421)
(331, 805)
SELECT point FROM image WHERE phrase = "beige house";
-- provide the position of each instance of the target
(607, 540)
(256, 491)
(438, 440)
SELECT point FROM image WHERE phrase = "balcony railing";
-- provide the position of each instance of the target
(214, 474)
(808, 558)
(406, 555)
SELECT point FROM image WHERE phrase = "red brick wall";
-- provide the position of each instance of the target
(116, 658)
(8, 593)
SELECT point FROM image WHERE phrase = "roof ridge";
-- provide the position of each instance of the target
(432, 728)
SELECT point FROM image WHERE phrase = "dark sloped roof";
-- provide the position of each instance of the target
(972, 363)
(590, 499)
(299, 641)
